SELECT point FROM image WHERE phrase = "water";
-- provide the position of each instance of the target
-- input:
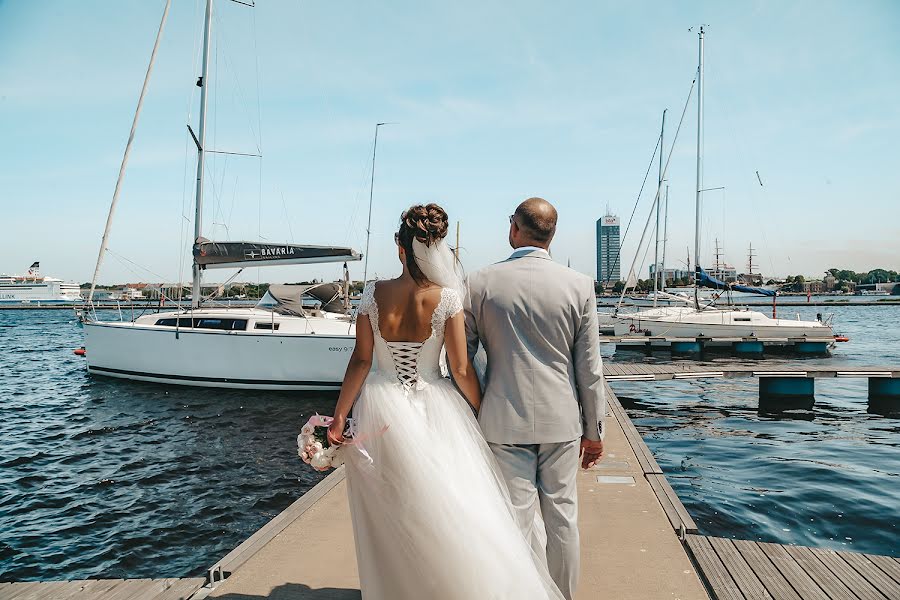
(106, 478)
(829, 477)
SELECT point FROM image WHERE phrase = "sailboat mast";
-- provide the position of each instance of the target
(371, 192)
(662, 146)
(699, 171)
(201, 141)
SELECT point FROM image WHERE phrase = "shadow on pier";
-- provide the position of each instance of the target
(298, 591)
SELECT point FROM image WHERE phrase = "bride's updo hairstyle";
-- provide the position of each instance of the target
(427, 223)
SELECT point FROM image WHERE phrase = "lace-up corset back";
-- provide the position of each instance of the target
(412, 364)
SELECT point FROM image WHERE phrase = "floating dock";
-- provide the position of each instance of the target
(744, 346)
(781, 386)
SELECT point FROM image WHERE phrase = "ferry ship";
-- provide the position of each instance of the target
(33, 288)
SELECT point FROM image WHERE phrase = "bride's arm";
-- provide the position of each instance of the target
(357, 371)
(458, 360)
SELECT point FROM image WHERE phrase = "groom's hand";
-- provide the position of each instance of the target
(591, 453)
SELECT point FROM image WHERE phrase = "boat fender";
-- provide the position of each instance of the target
(80, 352)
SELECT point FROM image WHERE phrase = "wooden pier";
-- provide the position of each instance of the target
(628, 518)
(747, 570)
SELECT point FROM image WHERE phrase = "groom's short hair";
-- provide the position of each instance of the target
(538, 218)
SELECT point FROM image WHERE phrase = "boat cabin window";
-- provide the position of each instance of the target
(227, 324)
(222, 324)
(742, 318)
(267, 325)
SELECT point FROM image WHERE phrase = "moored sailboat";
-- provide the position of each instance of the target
(278, 344)
(705, 319)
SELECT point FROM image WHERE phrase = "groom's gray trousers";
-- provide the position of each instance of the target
(545, 474)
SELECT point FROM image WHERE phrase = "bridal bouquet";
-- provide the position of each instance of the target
(313, 446)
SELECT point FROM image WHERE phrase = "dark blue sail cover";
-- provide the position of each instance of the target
(704, 279)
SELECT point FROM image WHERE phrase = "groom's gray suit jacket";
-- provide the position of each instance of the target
(537, 321)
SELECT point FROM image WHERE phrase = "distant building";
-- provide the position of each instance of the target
(670, 275)
(608, 247)
(723, 272)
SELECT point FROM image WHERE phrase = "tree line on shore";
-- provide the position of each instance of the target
(844, 280)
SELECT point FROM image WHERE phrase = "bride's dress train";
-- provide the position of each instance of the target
(430, 510)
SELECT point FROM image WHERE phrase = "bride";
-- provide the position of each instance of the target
(431, 513)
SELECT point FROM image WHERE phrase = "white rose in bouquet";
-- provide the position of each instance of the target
(313, 448)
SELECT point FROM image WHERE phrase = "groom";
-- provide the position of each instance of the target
(544, 402)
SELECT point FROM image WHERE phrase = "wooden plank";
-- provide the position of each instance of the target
(88, 589)
(177, 589)
(792, 571)
(824, 578)
(887, 564)
(874, 575)
(123, 590)
(671, 503)
(713, 573)
(641, 451)
(46, 590)
(740, 571)
(665, 502)
(19, 589)
(853, 580)
(775, 583)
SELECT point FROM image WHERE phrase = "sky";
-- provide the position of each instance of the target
(493, 102)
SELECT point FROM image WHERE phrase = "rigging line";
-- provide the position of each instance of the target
(659, 187)
(633, 210)
(104, 241)
(226, 55)
(256, 60)
(118, 256)
(286, 218)
(233, 153)
(644, 259)
(361, 188)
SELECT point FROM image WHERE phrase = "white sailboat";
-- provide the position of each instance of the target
(279, 344)
(705, 320)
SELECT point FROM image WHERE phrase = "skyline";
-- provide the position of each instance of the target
(492, 107)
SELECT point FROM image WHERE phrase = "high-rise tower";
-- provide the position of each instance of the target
(608, 257)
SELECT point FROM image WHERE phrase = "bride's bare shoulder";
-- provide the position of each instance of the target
(399, 289)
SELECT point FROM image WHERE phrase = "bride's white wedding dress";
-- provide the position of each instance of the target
(430, 509)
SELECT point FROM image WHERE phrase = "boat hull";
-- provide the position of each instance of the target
(225, 359)
(686, 323)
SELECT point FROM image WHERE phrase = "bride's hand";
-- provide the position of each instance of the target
(335, 432)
